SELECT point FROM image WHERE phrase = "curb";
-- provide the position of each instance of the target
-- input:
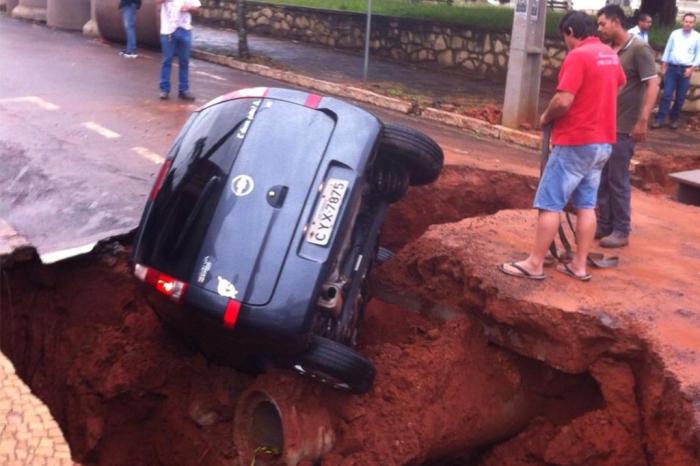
(473, 125)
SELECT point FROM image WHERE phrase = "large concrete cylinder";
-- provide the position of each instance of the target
(109, 22)
(67, 14)
(34, 10)
(454, 392)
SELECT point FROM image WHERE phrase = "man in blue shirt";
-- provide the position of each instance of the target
(641, 30)
(681, 57)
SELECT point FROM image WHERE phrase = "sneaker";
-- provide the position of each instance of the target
(164, 95)
(185, 95)
(673, 125)
(126, 54)
(655, 124)
(614, 240)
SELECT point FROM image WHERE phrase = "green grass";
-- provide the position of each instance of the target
(483, 17)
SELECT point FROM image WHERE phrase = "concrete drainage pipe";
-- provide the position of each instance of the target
(437, 397)
(272, 421)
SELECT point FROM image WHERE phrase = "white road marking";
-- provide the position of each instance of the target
(148, 154)
(209, 75)
(32, 99)
(101, 130)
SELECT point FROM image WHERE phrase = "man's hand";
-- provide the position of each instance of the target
(688, 72)
(639, 132)
(558, 106)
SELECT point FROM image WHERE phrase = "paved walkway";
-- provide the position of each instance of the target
(28, 433)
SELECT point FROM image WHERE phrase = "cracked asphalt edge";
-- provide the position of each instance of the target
(473, 125)
(13, 246)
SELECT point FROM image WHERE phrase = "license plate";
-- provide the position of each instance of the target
(327, 209)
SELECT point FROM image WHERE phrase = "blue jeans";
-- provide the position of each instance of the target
(572, 172)
(673, 81)
(614, 192)
(129, 18)
(179, 42)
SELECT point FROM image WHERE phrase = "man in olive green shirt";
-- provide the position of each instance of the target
(634, 104)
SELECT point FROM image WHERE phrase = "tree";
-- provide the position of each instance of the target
(243, 51)
(664, 11)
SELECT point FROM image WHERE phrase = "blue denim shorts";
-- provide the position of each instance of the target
(572, 172)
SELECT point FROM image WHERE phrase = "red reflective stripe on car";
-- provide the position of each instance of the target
(239, 94)
(159, 179)
(312, 101)
(231, 312)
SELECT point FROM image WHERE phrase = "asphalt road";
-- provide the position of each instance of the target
(83, 133)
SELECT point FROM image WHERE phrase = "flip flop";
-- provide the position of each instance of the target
(597, 259)
(519, 271)
(566, 270)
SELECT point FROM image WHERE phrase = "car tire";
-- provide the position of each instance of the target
(337, 365)
(418, 153)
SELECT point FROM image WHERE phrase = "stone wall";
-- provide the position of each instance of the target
(402, 39)
(445, 45)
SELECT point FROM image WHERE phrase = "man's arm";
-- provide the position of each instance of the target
(558, 106)
(667, 54)
(696, 60)
(639, 132)
(191, 7)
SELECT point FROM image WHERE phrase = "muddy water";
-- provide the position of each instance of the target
(127, 391)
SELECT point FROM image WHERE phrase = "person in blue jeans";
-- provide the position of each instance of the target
(681, 56)
(128, 10)
(176, 38)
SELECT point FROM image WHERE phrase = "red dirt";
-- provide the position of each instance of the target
(460, 192)
(635, 328)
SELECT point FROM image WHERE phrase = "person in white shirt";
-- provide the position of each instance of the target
(176, 38)
(680, 58)
(641, 30)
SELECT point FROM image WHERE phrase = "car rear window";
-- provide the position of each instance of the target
(203, 155)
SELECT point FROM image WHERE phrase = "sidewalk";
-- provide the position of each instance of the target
(421, 88)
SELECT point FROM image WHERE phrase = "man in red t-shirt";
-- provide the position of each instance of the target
(583, 113)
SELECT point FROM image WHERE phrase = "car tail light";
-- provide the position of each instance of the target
(160, 178)
(233, 307)
(164, 284)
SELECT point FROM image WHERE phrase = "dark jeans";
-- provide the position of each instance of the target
(673, 81)
(614, 191)
(179, 42)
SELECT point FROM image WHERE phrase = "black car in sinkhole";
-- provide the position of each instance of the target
(263, 224)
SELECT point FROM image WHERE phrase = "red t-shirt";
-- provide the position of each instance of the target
(592, 73)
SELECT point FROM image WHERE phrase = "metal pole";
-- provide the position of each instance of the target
(525, 64)
(367, 37)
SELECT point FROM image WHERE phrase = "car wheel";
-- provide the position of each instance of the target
(337, 365)
(418, 153)
(391, 182)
